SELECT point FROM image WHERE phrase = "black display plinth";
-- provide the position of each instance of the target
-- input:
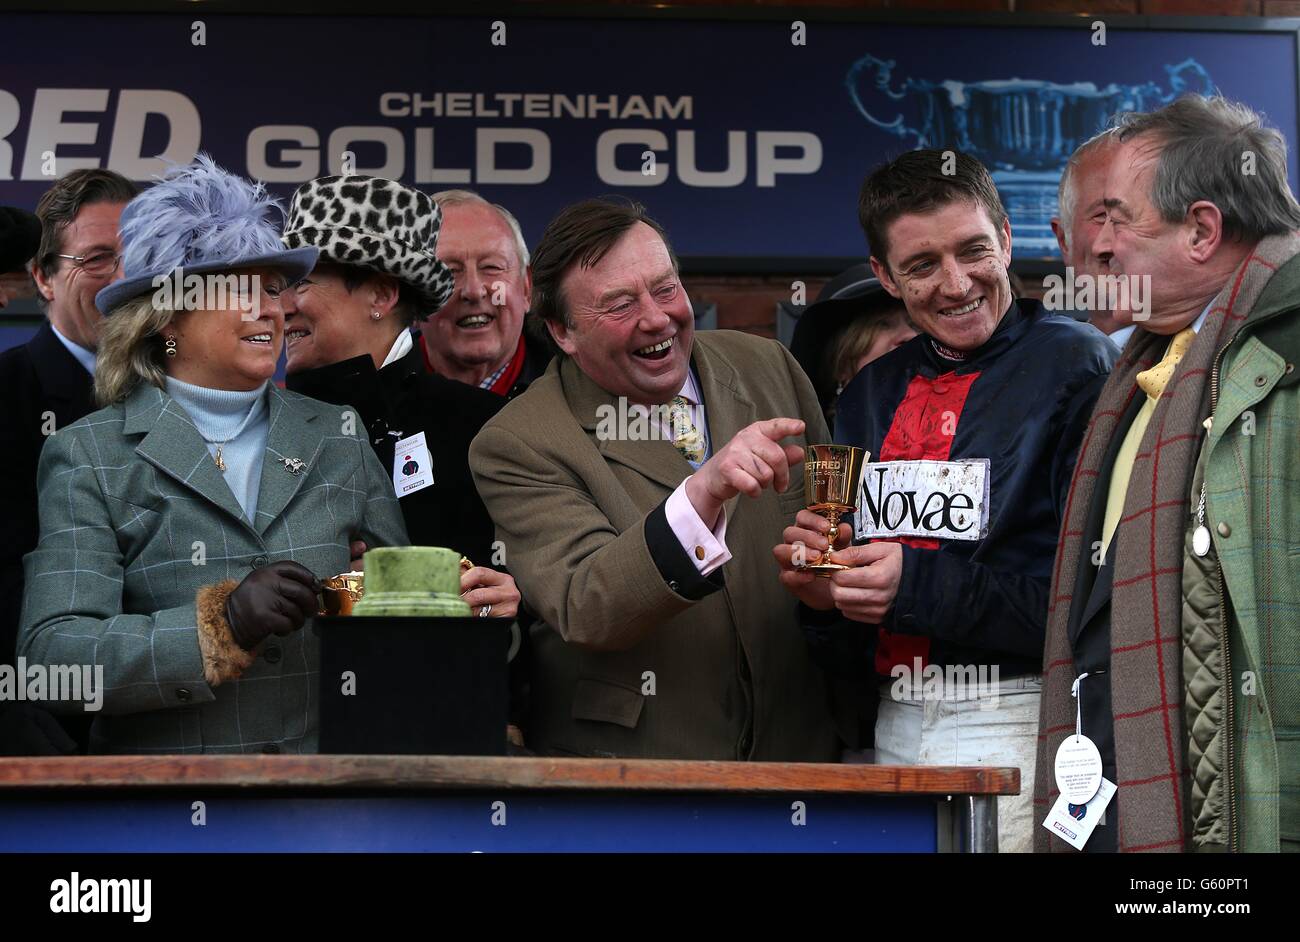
(403, 686)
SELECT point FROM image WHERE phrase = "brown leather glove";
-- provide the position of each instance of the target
(276, 599)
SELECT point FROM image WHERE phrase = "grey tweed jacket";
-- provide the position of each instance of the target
(136, 518)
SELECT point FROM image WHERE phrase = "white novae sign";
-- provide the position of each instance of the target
(943, 500)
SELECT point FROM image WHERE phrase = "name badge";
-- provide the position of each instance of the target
(943, 500)
(412, 466)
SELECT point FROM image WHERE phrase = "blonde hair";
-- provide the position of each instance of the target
(856, 339)
(131, 349)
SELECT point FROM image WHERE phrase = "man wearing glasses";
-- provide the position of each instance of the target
(45, 385)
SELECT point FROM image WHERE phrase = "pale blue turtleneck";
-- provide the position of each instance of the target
(219, 414)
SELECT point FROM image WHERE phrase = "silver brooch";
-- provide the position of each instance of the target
(294, 465)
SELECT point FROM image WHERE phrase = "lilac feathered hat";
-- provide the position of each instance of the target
(200, 218)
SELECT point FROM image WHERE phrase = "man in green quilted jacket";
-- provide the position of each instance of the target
(1176, 604)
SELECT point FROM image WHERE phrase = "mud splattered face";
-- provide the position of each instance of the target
(949, 267)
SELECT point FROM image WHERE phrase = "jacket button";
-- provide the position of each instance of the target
(672, 584)
(906, 621)
(1224, 529)
(1261, 380)
(272, 655)
(259, 562)
(183, 694)
(271, 748)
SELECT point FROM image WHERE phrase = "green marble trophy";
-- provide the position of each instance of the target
(412, 581)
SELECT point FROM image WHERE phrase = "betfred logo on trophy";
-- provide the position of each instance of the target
(829, 474)
(942, 500)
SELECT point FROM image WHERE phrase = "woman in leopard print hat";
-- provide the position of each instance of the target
(374, 224)
(347, 326)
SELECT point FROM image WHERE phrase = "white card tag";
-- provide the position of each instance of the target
(1073, 823)
(1078, 769)
(412, 466)
(944, 500)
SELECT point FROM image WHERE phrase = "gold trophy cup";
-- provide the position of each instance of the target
(338, 594)
(830, 481)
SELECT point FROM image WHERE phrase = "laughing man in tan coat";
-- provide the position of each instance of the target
(638, 488)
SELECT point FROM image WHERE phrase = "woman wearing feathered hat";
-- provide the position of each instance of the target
(347, 327)
(184, 525)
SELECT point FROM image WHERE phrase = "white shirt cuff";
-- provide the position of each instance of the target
(706, 548)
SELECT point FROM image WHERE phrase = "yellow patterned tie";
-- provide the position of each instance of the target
(686, 437)
(1153, 381)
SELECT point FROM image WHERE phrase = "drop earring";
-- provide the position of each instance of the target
(170, 346)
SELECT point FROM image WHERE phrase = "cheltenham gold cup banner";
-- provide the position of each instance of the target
(747, 138)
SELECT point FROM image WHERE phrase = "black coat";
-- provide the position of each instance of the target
(404, 398)
(537, 357)
(42, 386)
(398, 401)
(37, 378)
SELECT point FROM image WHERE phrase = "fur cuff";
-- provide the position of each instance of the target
(223, 658)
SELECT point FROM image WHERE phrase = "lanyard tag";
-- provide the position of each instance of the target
(1074, 823)
(1078, 762)
(1078, 769)
(412, 466)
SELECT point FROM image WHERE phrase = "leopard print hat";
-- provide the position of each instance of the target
(374, 223)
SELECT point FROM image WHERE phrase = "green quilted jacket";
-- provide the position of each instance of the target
(1242, 699)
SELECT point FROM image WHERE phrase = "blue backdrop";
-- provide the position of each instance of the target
(267, 95)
